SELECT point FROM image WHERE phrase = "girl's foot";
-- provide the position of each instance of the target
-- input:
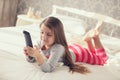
(88, 36)
(91, 34)
(94, 33)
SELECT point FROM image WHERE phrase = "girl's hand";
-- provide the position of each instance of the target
(34, 52)
(25, 51)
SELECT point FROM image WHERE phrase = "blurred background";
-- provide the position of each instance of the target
(10, 9)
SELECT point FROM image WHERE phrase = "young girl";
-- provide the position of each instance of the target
(56, 49)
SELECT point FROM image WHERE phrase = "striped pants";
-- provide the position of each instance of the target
(96, 57)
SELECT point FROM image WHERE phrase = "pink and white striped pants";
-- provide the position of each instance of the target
(96, 57)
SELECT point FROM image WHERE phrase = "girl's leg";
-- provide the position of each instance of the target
(90, 45)
(100, 51)
(97, 42)
(88, 40)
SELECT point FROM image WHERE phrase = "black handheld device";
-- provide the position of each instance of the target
(28, 41)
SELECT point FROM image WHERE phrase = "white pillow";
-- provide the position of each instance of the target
(72, 25)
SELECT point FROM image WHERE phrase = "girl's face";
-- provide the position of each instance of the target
(47, 36)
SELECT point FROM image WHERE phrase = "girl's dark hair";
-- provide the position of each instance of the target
(56, 25)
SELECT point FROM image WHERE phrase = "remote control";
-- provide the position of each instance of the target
(28, 43)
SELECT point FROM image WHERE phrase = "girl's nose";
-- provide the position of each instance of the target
(44, 37)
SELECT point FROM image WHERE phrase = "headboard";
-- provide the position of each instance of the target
(87, 14)
(111, 25)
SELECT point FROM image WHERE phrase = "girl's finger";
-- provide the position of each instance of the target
(25, 48)
(36, 47)
(29, 48)
(26, 53)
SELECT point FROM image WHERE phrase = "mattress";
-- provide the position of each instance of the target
(13, 64)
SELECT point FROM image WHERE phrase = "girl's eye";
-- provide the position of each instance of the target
(41, 32)
(49, 34)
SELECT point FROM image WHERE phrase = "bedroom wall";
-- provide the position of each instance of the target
(107, 7)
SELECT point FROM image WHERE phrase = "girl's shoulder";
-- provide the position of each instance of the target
(58, 47)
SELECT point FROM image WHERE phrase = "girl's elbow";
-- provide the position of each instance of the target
(47, 70)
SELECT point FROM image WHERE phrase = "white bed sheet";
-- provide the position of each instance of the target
(13, 65)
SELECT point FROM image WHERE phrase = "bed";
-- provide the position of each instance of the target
(13, 64)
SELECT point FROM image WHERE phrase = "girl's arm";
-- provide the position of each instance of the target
(56, 53)
(34, 52)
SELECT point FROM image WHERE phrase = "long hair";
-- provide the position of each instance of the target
(56, 25)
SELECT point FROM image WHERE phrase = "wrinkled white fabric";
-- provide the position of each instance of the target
(13, 64)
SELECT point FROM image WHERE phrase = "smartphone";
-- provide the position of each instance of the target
(28, 41)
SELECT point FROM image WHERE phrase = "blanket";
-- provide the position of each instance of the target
(13, 64)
